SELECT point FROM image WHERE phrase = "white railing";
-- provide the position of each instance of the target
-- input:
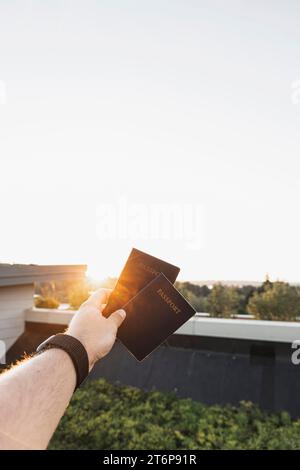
(240, 317)
(199, 325)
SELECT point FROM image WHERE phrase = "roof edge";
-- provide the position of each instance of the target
(22, 274)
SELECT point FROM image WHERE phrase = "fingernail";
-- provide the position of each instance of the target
(122, 313)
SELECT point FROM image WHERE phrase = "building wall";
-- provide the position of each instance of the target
(209, 369)
(13, 302)
(213, 371)
(16, 295)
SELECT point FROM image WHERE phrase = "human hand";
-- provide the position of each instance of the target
(92, 329)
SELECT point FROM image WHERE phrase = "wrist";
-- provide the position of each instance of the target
(85, 343)
(63, 360)
(74, 348)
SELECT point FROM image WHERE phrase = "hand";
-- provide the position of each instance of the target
(95, 332)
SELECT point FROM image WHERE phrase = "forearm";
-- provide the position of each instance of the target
(35, 394)
(33, 398)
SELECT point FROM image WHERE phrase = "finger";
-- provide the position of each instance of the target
(117, 317)
(100, 297)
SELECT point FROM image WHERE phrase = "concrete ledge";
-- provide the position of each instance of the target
(275, 331)
(50, 316)
(282, 332)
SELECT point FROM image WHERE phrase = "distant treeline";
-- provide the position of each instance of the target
(270, 301)
(74, 293)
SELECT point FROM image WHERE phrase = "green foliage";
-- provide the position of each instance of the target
(220, 301)
(46, 302)
(199, 291)
(196, 295)
(270, 301)
(200, 303)
(79, 294)
(105, 416)
(244, 292)
(72, 292)
(223, 301)
(58, 289)
(277, 301)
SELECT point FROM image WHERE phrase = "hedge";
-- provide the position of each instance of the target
(106, 416)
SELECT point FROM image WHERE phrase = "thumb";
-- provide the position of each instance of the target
(118, 317)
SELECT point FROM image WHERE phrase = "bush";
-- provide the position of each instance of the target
(105, 416)
(79, 294)
(46, 302)
(278, 301)
(196, 295)
(223, 301)
(200, 304)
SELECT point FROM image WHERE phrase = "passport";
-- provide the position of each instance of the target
(140, 269)
(156, 312)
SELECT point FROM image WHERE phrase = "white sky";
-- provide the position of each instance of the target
(151, 102)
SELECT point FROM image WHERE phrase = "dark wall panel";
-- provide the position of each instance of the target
(210, 377)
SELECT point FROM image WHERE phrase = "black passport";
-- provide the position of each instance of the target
(154, 307)
(139, 270)
(152, 315)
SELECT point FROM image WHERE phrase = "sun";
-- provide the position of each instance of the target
(95, 275)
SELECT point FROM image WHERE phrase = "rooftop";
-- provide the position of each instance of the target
(23, 274)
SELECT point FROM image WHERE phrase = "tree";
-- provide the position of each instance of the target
(79, 294)
(199, 303)
(245, 292)
(199, 291)
(196, 295)
(223, 301)
(267, 284)
(46, 302)
(278, 301)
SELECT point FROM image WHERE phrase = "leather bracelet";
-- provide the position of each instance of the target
(74, 348)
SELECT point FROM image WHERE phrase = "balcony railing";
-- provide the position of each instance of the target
(199, 325)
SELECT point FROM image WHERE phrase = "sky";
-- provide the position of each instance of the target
(169, 126)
